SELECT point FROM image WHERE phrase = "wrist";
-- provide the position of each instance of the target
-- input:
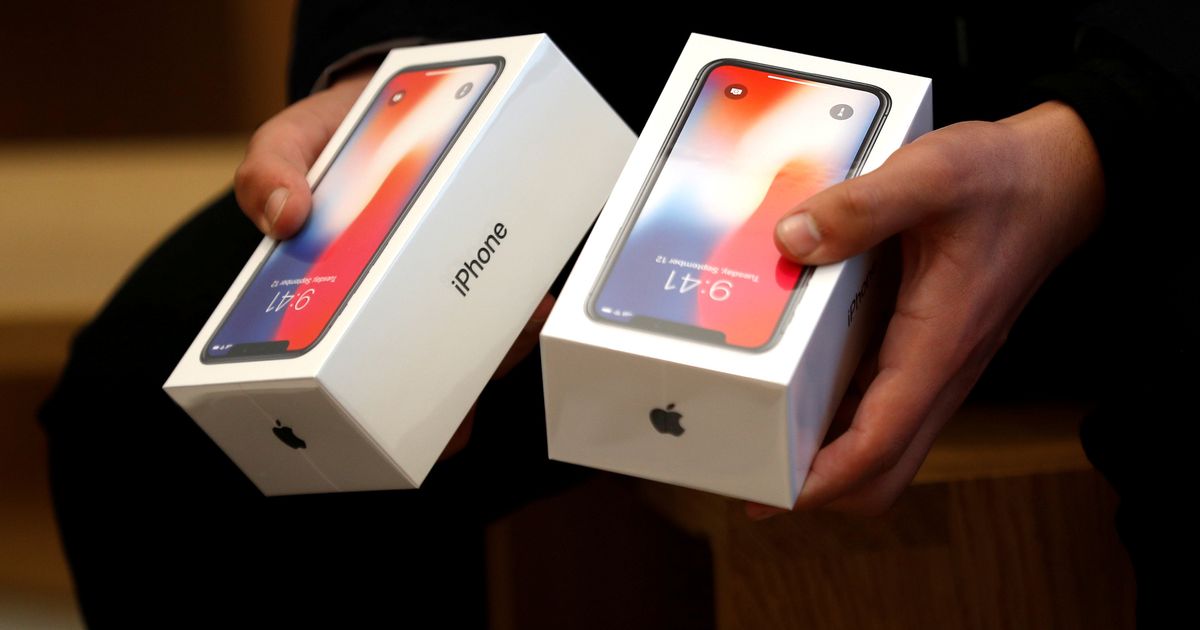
(1059, 168)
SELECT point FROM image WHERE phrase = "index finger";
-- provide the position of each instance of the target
(916, 362)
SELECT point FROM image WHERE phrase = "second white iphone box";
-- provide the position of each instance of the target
(684, 348)
(443, 208)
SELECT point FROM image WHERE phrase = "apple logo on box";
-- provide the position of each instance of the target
(287, 436)
(666, 420)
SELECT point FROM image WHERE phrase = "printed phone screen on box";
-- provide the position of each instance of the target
(698, 258)
(357, 204)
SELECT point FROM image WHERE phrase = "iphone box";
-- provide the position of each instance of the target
(683, 348)
(445, 205)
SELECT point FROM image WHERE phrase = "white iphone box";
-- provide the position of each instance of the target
(445, 205)
(683, 348)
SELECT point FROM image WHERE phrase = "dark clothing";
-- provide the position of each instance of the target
(154, 517)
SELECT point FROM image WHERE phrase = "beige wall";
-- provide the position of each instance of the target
(126, 118)
(116, 121)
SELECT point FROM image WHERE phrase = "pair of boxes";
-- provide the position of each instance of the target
(682, 347)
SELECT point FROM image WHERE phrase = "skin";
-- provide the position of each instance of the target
(272, 191)
(983, 211)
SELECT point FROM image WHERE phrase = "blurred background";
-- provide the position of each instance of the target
(117, 120)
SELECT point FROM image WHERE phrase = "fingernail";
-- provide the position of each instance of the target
(274, 207)
(760, 512)
(799, 234)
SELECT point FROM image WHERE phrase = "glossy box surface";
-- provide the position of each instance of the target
(346, 358)
(683, 348)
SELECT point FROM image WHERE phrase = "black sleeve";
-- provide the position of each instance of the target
(326, 31)
(1116, 302)
(1136, 84)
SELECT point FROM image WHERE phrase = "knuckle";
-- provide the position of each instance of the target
(247, 179)
(243, 175)
(243, 188)
(289, 127)
(968, 161)
(260, 137)
(944, 169)
(889, 451)
(880, 451)
(876, 498)
(860, 202)
(946, 165)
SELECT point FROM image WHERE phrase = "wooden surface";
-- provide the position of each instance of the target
(1017, 552)
(597, 558)
(1007, 526)
(35, 586)
(1007, 441)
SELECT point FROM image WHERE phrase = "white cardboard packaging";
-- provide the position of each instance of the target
(752, 421)
(378, 397)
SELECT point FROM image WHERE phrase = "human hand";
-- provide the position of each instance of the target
(984, 213)
(270, 183)
(525, 343)
(271, 188)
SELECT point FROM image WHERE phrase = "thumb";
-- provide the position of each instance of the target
(270, 183)
(857, 214)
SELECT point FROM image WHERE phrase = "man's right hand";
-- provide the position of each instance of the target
(270, 183)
